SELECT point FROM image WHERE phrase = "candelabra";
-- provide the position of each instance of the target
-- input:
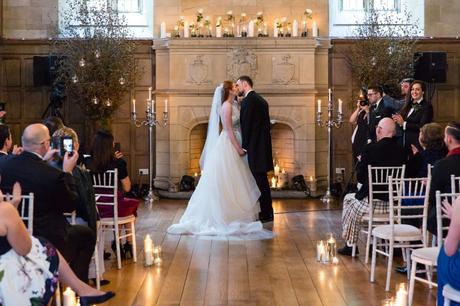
(329, 123)
(150, 122)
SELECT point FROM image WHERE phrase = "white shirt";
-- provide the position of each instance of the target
(411, 111)
(248, 92)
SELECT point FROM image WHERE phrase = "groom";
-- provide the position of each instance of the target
(257, 143)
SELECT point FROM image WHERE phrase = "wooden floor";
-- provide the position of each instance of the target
(279, 271)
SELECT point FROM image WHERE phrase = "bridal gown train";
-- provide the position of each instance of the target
(225, 202)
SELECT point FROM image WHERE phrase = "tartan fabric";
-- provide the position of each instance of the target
(352, 215)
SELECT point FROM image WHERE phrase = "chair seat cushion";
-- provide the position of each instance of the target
(451, 293)
(402, 232)
(426, 254)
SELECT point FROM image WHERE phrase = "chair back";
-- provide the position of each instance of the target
(25, 209)
(429, 170)
(443, 226)
(378, 178)
(105, 189)
(454, 184)
(409, 202)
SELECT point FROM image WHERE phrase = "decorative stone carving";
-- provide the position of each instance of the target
(197, 70)
(241, 61)
(283, 70)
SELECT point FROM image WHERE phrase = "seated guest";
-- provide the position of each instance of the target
(31, 267)
(448, 270)
(414, 114)
(104, 157)
(54, 194)
(443, 169)
(385, 152)
(6, 142)
(431, 139)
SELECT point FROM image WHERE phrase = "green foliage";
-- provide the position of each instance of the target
(384, 50)
(98, 66)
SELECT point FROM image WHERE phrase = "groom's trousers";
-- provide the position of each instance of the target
(265, 200)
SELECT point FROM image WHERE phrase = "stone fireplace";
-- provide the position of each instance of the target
(291, 74)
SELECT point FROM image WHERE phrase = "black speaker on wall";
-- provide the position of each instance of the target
(430, 66)
(44, 70)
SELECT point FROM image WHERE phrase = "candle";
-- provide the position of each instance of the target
(335, 260)
(148, 245)
(319, 106)
(134, 105)
(283, 171)
(186, 29)
(69, 297)
(166, 105)
(319, 250)
(150, 94)
(312, 184)
(152, 105)
(273, 182)
(157, 255)
(265, 29)
(275, 29)
(329, 94)
(295, 28)
(251, 29)
(219, 31)
(283, 179)
(314, 29)
(196, 174)
(163, 30)
(340, 106)
(277, 170)
(331, 247)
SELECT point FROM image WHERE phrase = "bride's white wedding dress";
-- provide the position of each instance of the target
(225, 201)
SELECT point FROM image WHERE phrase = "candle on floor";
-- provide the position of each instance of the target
(312, 184)
(277, 170)
(273, 182)
(401, 295)
(331, 247)
(69, 297)
(335, 260)
(320, 250)
(157, 256)
(148, 245)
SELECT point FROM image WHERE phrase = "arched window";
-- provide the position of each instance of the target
(138, 13)
(345, 15)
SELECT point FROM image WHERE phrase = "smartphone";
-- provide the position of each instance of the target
(66, 145)
(117, 147)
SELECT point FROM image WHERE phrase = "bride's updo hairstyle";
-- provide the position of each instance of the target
(227, 86)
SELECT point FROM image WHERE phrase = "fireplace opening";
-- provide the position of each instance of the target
(197, 140)
(283, 147)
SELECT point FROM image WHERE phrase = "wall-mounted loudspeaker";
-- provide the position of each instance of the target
(44, 70)
(430, 66)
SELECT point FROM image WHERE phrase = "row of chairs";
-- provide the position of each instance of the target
(408, 201)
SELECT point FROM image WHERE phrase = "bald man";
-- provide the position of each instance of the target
(385, 152)
(54, 194)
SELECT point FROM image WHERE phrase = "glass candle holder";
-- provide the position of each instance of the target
(331, 247)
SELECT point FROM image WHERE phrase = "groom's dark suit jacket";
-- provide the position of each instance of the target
(255, 130)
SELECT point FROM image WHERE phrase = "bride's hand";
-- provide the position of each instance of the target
(241, 152)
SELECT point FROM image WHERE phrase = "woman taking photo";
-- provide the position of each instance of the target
(104, 157)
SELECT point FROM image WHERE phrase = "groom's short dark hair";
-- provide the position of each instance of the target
(247, 79)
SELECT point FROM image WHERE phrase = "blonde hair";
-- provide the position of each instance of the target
(66, 131)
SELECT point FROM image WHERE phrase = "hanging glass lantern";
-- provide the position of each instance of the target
(74, 79)
(108, 103)
(122, 81)
(82, 62)
(95, 101)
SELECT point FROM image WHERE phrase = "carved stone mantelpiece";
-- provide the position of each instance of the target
(290, 73)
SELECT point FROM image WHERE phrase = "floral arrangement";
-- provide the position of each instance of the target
(308, 13)
(260, 19)
(243, 17)
(230, 16)
(207, 21)
(199, 15)
(219, 22)
(181, 21)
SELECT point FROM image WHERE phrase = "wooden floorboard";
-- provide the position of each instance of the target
(224, 272)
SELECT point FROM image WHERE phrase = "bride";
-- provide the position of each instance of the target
(225, 200)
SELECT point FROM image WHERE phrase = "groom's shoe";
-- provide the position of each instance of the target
(265, 219)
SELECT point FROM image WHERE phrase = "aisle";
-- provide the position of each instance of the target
(280, 271)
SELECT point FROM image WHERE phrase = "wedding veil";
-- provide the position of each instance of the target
(213, 126)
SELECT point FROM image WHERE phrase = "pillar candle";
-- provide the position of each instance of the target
(219, 31)
(319, 250)
(148, 246)
(340, 106)
(275, 29)
(273, 182)
(319, 106)
(265, 29)
(312, 184)
(69, 297)
(134, 105)
(166, 105)
(186, 30)
(295, 28)
(251, 29)
(163, 30)
(277, 170)
(314, 29)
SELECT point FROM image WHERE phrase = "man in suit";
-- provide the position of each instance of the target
(54, 194)
(6, 142)
(255, 130)
(443, 169)
(385, 152)
(378, 110)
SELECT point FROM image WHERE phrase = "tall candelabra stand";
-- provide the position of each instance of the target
(329, 123)
(150, 122)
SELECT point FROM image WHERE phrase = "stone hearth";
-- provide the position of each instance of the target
(291, 74)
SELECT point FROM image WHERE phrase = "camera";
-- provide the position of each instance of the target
(363, 101)
(62, 144)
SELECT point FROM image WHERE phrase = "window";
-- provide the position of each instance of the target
(345, 15)
(138, 13)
